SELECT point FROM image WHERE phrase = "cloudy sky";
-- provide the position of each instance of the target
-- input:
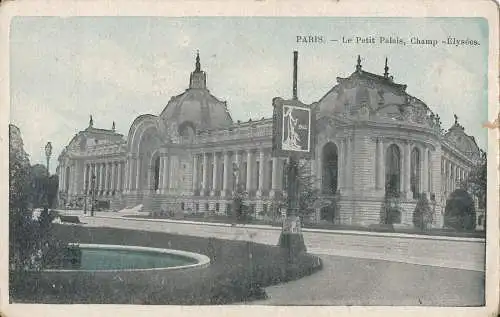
(116, 68)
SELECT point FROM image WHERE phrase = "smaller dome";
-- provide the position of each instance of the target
(197, 106)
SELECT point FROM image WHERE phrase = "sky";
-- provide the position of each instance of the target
(63, 69)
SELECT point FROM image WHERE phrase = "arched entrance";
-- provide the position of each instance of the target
(393, 171)
(391, 212)
(330, 169)
(329, 179)
(155, 172)
(415, 172)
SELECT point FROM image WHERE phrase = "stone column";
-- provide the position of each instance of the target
(119, 178)
(126, 169)
(71, 179)
(425, 173)
(262, 164)
(85, 178)
(274, 177)
(430, 181)
(319, 167)
(165, 172)
(380, 165)
(450, 178)
(226, 173)
(160, 180)
(173, 172)
(195, 173)
(61, 174)
(348, 160)
(215, 174)
(138, 161)
(94, 172)
(112, 186)
(407, 170)
(341, 165)
(237, 161)
(101, 177)
(204, 184)
(249, 171)
(107, 177)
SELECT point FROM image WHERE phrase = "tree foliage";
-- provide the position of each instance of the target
(43, 191)
(423, 215)
(308, 193)
(239, 208)
(459, 212)
(475, 184)
(30, 241)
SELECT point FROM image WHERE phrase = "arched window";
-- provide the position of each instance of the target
(415, 172)
(330, 169)
(393, 171)
(156, 173)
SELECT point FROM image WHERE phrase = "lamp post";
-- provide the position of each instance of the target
(92, 188)
(48, 153)
(86, 190)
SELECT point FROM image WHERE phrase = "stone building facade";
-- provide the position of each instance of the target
(372, 137)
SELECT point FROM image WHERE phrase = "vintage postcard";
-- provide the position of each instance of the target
(221, 157)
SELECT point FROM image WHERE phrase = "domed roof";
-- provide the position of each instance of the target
(197, 106)
(464, 142)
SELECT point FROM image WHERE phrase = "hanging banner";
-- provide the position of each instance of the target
(293, 128)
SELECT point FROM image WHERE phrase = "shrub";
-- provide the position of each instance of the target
(423, 214)
(391, 210)
(459, 212)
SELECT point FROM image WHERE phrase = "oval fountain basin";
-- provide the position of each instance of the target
(105, 257)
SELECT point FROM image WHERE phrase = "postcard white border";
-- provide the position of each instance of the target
(382, 8)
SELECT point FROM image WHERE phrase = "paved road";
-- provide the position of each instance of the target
(349, 281)
(343, 280)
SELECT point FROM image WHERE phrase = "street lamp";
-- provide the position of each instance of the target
(48, 153)
(92, 188)
(86, 190)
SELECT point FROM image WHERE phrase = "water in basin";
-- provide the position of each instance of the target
(109, 259)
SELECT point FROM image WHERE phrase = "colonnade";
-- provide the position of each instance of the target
(374, 167)
(139, 176)
(105, 176)
(218, 173)
(452, 174)
(63, 177)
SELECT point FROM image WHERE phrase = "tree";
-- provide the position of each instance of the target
(22, 245)
(476, 183)
(459, 211)
(308, 193)
(31, 245)
(239, 208)
(39, 180)
(423, 215)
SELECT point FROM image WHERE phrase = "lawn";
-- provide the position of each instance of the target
(233, 276)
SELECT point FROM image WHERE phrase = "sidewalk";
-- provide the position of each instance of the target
(269, 227)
